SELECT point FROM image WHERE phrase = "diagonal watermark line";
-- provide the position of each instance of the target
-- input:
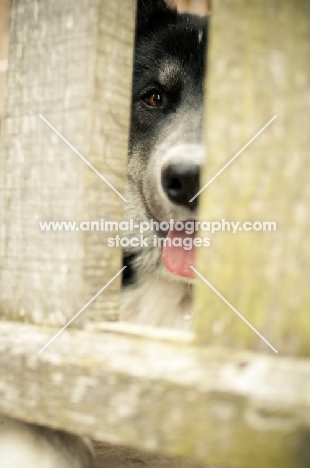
(232, 159)
(80, 311)
(82, 157)
(235, 310)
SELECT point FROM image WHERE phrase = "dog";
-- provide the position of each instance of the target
(165, 159)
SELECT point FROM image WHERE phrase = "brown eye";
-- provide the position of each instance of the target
(154, 99)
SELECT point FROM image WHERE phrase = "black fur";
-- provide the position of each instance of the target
(129, 274)
(151, 12)
(163, 34)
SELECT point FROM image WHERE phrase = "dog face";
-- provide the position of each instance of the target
(165, 154)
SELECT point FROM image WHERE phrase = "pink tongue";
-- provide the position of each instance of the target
(175, 258)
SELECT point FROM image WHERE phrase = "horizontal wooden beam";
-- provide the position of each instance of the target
(214, 405)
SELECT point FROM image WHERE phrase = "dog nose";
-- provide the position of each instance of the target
(181, 183)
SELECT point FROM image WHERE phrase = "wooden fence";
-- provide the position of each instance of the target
(222, 394)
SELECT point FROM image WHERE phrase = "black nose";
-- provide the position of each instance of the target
(181, 183)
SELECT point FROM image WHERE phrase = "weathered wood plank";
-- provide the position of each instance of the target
(71, 62)
(235, 409)
(258, 67)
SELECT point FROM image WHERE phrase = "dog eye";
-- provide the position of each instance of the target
(153, 99)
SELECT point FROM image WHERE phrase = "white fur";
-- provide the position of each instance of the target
(25, 446)
(158, 301)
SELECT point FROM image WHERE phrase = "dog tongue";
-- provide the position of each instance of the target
(176, 259)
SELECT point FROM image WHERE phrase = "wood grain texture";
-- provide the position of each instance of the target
(231, 409)
(72, 62)
(258, 67)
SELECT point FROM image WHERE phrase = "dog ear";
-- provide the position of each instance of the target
(149, 9)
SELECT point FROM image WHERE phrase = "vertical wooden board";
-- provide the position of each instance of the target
(200, 7)
(4, 22)
(258, 67)
(109, 135)
(71, 62)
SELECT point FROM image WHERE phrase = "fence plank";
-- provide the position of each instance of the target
(71, 62)
(160, 396)
(258, 68)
